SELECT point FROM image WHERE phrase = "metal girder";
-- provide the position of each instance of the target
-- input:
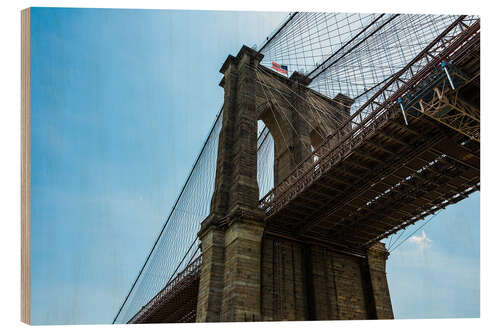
(459, 196)
(396, 203)
(328, 188)
(170, 291)
(404, 143)
(367, 156)
(446, 107)
(381, 147)
(357, 189)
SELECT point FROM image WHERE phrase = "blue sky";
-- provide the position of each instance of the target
(122, 101)
(435, 273)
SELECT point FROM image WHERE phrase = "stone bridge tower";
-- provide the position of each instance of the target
(249, 273)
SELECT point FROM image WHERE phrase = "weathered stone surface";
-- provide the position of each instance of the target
(338, 288)
(242, 275)
(283, 285)
(246, 274)
(231, 236)
(212, 275)
(377, 257)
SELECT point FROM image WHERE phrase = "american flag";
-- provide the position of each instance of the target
(280, 68)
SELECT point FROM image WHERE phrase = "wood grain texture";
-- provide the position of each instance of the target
(25, 165)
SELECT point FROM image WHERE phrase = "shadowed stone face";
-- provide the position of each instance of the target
(298, 118)
(248, 275)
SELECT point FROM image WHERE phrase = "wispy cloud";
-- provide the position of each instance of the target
(429, 278)
(422, 242)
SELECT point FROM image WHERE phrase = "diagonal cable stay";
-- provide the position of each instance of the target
(351, 54)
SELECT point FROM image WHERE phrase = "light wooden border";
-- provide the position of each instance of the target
(25, 164)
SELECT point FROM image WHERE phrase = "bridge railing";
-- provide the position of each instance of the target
(171, 254)
(188, 273)
(380, 107)
(177, 242)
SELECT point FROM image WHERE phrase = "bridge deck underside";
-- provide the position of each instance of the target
(391, 178)
(176, 306)
(399, 174)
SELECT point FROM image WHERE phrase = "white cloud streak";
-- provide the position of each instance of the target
(423, 242)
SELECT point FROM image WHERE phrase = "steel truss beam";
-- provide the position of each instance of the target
(446, 107)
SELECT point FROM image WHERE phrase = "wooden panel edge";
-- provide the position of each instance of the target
(25, 165)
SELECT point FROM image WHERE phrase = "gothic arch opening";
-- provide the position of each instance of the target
(296, 119)
(265, 159)
(277, 146)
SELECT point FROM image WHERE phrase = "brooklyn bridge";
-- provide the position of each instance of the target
(370, 124)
